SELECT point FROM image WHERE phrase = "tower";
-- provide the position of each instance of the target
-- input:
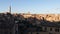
(9, 9)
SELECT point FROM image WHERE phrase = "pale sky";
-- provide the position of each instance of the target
(32, 6)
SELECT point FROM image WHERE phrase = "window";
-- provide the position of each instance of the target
(57, 30)
(45, 28)
(50, 29)
(39, 29)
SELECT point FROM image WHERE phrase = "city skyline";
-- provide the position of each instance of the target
(32, 6)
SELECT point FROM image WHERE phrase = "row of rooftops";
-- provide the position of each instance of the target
(43, 22)
(50, 17)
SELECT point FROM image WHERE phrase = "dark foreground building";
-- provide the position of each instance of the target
(7, 24)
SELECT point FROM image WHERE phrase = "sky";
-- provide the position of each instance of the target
(32, 6)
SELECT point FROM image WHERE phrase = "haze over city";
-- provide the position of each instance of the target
(32, 6)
